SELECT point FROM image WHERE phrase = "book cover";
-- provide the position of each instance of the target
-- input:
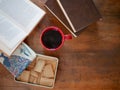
(17, 19)
(79, 13)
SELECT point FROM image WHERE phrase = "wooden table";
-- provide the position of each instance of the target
(88, 62)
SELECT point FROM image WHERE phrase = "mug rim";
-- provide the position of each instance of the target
(57, 29)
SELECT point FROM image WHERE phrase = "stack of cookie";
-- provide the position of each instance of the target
(41, 72)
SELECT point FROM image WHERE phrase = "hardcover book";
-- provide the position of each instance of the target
(17, 19)
(74, 14)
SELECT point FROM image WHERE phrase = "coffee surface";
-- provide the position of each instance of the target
(52, 39)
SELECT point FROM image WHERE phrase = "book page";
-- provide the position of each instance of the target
(22, 12)
(10, 34)
(7, 51)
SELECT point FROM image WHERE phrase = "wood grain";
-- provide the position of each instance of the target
(89, 62)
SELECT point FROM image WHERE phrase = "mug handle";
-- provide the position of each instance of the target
(68, 36)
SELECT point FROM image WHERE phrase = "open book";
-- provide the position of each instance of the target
(17, 19)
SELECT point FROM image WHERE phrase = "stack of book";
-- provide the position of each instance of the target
(75, 15)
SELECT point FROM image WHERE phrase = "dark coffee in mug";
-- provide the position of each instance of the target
(51, 38)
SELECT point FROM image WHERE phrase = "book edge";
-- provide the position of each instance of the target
(66, 15)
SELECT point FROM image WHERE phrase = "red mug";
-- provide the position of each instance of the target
(52, 38)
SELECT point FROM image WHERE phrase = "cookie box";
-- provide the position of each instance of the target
(30, 68)
(40, 72)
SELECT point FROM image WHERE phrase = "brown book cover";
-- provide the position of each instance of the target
(81, 13)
